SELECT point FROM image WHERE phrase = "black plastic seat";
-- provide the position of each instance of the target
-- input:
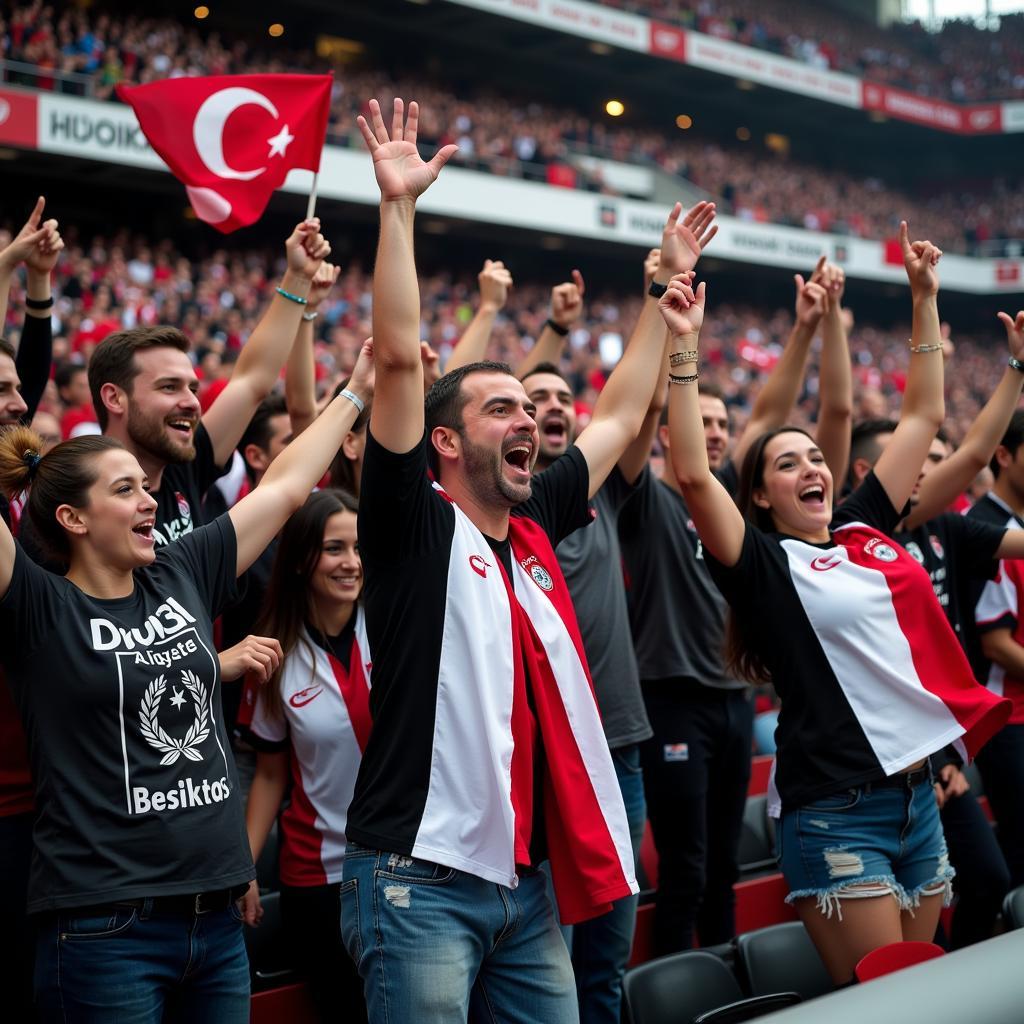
(782, 958)
(1013, 908)
(755, 849)
(270, 960)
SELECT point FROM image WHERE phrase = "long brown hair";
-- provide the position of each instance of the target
(289, 603)
(61, 477)
(741, 660)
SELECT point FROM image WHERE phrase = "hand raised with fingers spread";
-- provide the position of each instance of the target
(25, 241)
(682, 243)
(494, 281)
(681, 307)
(1014, 333)
(306, 249)
(567, 300)
(400, 170)
(811, 301)
(920, 259)
(323, 281)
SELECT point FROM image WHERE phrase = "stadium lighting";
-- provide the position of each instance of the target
(277, 29)
(601, 49)
(684, 121)
(201, 12)
(615, 108)
(745, 85)
(743, 134)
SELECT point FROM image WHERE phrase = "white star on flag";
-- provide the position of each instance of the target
(178, 699)
(279, 143)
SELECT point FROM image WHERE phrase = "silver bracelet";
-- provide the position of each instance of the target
(937, 347)
(353, 398)
(309, 317)
(681, 358)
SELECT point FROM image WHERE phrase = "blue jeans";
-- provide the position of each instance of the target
(888, 837)
(438, 946)
(141, 966)
(601, 947)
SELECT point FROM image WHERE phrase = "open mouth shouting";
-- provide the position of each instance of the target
(517, 453)
(144, 531)
(555, 430)
(813, 497)
(182, 427)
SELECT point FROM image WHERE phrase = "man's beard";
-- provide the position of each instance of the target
(484, 473)
(151, 437)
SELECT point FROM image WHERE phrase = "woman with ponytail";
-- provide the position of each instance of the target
(309, 724)
(141, 852)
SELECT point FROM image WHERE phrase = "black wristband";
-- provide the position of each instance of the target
(39, 303)
(557, 328)
(657, 290)
(1016, 364)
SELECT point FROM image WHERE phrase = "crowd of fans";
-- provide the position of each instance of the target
(506, 135)
(960, 61)
(108, 283)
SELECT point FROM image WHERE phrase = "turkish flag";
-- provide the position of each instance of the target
(232, 139)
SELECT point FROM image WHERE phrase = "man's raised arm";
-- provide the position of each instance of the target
(402, 176)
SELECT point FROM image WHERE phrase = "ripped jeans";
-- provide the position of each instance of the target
(878, 840)
(438, 946)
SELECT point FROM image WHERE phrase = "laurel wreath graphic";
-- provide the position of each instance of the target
(156, 736)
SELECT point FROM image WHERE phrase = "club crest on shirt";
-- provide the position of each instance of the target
(542, 577)
(154, 733)
(184, 508)
(937, 546)
(880, 550)
(914, 551)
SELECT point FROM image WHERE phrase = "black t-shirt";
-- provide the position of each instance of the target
(405, 538)
(856, 645)
(136, 788)
(676, 613)
(956, 552)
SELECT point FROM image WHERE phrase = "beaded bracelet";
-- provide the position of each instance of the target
(690, 378)
(1015, 364)
(680, 358)
(291, 298)
(937, 347)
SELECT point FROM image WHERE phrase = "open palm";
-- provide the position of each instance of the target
(400, 170)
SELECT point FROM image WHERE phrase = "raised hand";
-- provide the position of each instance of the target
(306, 249)
(494, 281)
(920, 259)
(400, 170)
(682, 244)
(567, 300)
(25, 241)
(811, 300)
(652, 261)
(323, 281)
(832, 279)
(681, 307)
(1014, 333)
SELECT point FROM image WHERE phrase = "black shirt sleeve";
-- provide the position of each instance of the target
(636, 512)
(871, 505)
(204, 467)
(560, 501)
(617, 490)
(209, 555)
(35, 352)
(752, 576)
(979, 542)
(400, 513)
(31, 608)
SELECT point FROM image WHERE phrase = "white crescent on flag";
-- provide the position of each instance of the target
(208, 128)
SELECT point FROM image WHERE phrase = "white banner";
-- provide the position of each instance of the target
(590, 21)
(1013, 117)
(109, 132)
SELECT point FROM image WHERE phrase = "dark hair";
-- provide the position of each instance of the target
(7, 349)
(65, 374)
(545, 367)
(708, 390)
(113, 361)
(61, 477)
(1012, 440)
(258, 431)
(741, 659)
(445, 400)
(864, 443)
(288, 603)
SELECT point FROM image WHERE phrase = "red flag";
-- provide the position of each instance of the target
(232, 139)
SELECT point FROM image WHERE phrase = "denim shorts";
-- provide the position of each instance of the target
(875, 840)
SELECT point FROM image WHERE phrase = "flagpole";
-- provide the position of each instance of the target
(311, 206)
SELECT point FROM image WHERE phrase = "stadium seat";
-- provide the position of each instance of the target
(760, 772)
(1013, 908)
(290, 1003)
(761, 902)
(755, 852)
(748, 1009)
(270, 963)
(782, 958)
(686, 987)
(894, 957)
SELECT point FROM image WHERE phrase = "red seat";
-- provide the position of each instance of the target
(760, 772)
(895, 957)
(290, 1003)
